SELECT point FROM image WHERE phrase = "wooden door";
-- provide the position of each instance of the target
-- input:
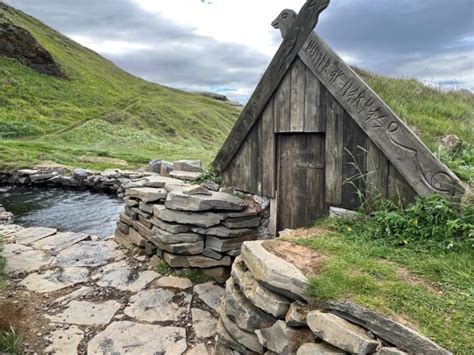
(301, 199)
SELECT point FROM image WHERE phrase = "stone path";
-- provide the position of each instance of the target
(94, 298)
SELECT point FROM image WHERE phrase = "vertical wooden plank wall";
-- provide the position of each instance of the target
(353, 162)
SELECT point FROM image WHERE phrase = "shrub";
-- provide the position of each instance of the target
(209, 175)
(433, 222)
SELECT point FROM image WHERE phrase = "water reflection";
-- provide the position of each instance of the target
(66, 210)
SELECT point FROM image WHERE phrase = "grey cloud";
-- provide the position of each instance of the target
(386, 36)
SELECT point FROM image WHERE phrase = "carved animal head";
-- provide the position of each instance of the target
(284, 21)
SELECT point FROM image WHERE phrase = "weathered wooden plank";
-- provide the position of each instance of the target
(299, 199)
(268, 152)
(313, 121)
(377, 173)
(334, 148)
(316, 205)
(282, 106)
(297, 99)
(399, 191)
(417, 164)
(353, 164)
(285, 181)
(254, 167)
(292, 43)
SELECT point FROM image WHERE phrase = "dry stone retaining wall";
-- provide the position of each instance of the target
(266, 310)
(187, 226)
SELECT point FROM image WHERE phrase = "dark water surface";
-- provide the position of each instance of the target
(66, 210)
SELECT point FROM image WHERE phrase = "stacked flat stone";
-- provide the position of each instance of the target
(187, 226)
(266, 310)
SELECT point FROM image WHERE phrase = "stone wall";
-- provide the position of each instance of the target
(267, 309)
(187, 226)
(111, 181)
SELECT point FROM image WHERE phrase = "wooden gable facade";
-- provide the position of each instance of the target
(324, 138)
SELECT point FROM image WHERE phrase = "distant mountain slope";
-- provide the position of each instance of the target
(101, 116)
(99, 110)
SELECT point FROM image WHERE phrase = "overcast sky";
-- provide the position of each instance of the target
(225, 45)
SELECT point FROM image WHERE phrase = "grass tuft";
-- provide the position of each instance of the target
(11, 342)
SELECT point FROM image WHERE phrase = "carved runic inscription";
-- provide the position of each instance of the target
(406, 152)
(296, 35)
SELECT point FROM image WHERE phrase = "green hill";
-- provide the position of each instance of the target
(100, 116)
(99, 111)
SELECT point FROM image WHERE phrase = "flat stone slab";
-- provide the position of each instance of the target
(88, 254)
(184, 175)
(210, 293)
(181, 248)
(249, 340)
(194, 166)
(87, 313)
(223, 232)
(81, 292)
(20, 259)
(181, 283)
(223, 245)
(173, 238)
(204, 324)
(179, 201)
(146, 194)
(242, 312)
(9, 230)
(195, 261)
(199, 349)
(318, 349)
(133, 338)
(54, 280)
(341, 333)
(157, 305)
(65, 341)
(28, 236)
(60, 241)
(160, 181)
(283, 339)
(122, 277)
(203, 220)
(398, 334)
(278, 274)
(261, 297)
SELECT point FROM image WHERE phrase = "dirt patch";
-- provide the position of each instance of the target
(25, 316)
(411, 279)
(307, 260)
(303, 233)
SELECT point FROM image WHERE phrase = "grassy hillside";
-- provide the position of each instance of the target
(99, 112)
(101, 116)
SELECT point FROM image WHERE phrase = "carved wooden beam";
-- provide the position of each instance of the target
(298, 32)
(415, 162)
